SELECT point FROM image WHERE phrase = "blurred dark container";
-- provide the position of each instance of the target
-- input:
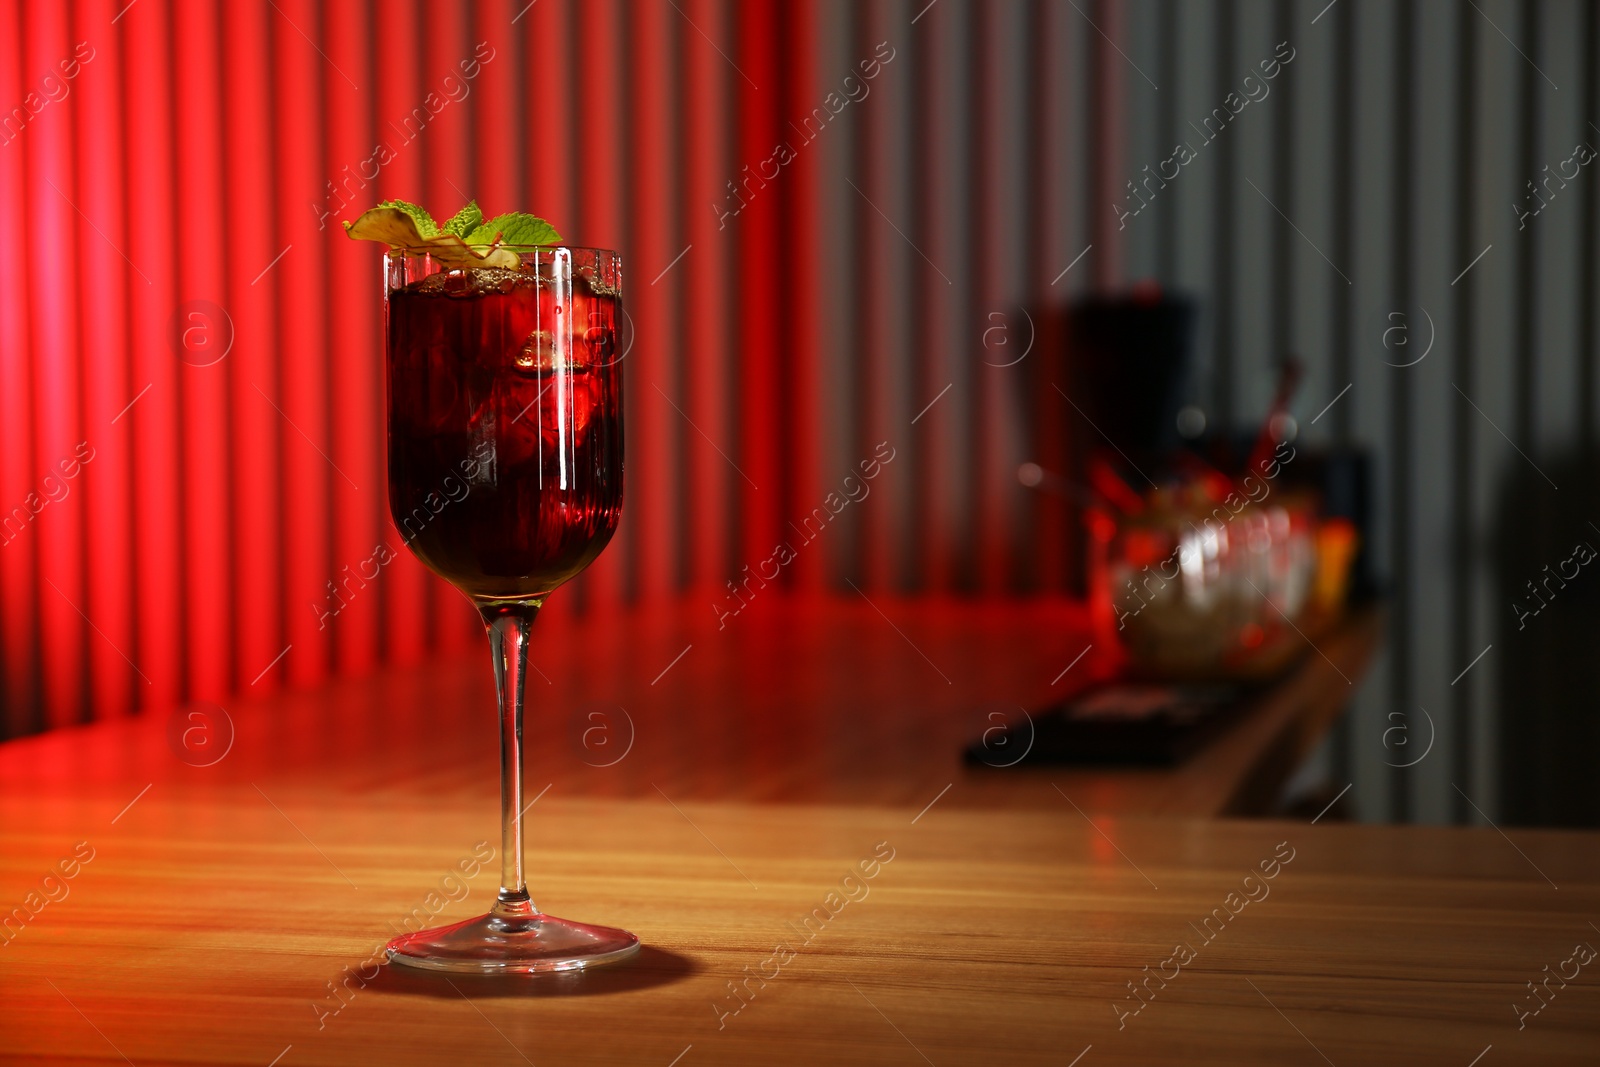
(1131, 360)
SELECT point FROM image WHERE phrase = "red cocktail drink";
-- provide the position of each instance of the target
(505, 421)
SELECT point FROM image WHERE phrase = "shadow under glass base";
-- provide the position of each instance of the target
(513, 939)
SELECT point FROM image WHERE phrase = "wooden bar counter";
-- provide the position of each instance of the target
(779, 812)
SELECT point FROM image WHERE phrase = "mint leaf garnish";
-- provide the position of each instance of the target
(466, 241)
(464, 221)
(515, 228)
(426, 227)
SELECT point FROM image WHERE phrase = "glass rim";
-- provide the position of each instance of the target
(424, 250)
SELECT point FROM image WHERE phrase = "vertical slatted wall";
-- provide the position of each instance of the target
(180, 193)
(1386, 159)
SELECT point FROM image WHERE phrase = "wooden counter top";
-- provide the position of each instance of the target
(208, 926)
(211, 910)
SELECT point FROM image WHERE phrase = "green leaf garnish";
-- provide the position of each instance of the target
(516, 228)
(465, 241)
(464, 221)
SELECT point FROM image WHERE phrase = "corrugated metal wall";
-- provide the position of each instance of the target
(1368, 199)
(786, 322)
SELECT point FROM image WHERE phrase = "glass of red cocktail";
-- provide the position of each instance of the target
(505, 479)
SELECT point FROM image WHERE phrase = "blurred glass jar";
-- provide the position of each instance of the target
(1195, 586)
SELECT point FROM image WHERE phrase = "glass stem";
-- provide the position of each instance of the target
(508, 625)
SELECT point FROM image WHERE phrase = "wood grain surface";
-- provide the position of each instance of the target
(229, 913)
(207, 928)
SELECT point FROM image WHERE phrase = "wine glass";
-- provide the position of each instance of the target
(505, 479)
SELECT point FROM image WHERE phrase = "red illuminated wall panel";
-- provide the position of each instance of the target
(193, 317)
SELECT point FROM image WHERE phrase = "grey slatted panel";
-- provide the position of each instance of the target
(1283, 261)
(1304, 99)
(1310, 107)
(1226, 178)
(1141, 106)
(1520, 739)
(1107, 139)
(1193, 192)
(1019, 287)
(1432, 406)
(1562, 124)
(1398, 441)
(1465, 353)
(1076, 213)
(1341, 28)
(1491, 288)
(1373, 224)
(1077, 203)
(1248, 138)
(1438, 157)
(999, 284)
(1036, 544)
(1166, 126)
(1589, 336)
(964, 27)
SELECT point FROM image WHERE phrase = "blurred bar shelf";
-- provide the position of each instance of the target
(794, 701)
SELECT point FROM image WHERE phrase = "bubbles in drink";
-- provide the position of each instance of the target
(539, 353)
(476, 282)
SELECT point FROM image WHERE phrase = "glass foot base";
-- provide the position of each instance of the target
(512, 940)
